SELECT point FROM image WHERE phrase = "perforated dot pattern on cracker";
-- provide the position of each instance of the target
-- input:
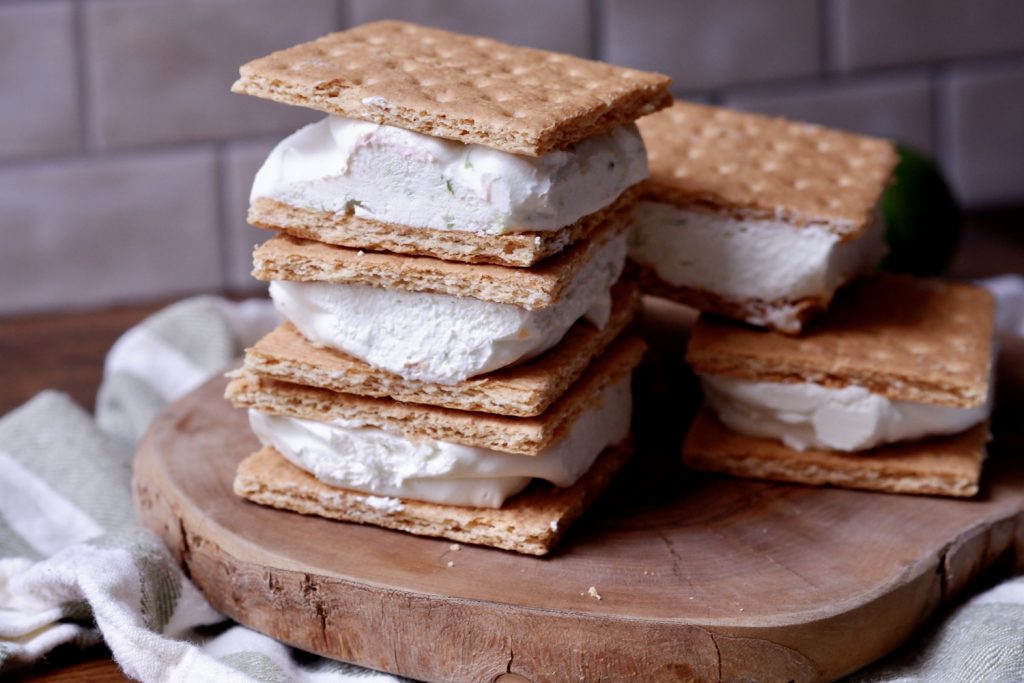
(475, 90)
(763, 167)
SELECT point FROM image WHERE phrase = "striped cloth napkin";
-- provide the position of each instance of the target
(76, 569)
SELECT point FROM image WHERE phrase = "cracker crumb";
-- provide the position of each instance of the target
(455, 546)
(451, 563)
(592, 592)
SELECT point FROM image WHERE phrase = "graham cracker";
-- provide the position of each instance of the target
(905, 338)
(289, 258)
(780, 315)
(760, 167)
(520, 435)
(523, 390)
(942, 466)
(520, 249)
(464, 88)
(531, 522)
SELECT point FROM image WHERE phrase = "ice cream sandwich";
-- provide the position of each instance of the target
(462, 148)
(387, 461)
(531, 522)
(439, 321)
(755, 218)
(891, 390)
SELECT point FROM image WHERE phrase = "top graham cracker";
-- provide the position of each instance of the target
(754, 166)
(905, 338)
(464, 88)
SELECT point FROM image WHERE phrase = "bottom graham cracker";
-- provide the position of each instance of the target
(942, 466)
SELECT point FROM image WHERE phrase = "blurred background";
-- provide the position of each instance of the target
(125, 163)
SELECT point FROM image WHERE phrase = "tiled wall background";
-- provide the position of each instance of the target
(125, 162)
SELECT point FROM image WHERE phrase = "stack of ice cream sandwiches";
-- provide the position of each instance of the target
(455, 359)
(813, 370)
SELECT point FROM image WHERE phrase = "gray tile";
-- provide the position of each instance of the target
(563, 25)
(160, 72)
(872, 33)
(704, 44)
(39, 106)
(91, 233)
(985, 136)
(897, 107)
(239, 164)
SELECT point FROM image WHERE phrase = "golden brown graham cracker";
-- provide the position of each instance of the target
(523, 390)
(289, 258)
(531, 522)
(780, 315)
(905, 338)
(942, 466)
(521, 435)
(464, 88)
(755, 166)
(520, 249)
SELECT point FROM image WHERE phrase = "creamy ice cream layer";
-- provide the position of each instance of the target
(398, 176)
(368, 459)
(440, 338)
(807, 415)
(736, 259)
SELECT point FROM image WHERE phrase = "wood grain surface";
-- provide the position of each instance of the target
(699, 577)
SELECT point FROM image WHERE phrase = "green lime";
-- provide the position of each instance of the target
(923, 220)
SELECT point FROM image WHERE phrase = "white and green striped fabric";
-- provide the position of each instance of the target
(75, 568)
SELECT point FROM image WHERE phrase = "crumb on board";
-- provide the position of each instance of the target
(451, 563)
(592, 592)
(455, 546)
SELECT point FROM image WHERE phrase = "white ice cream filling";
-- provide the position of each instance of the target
(808, 415)
(394, 175)
(371, 460)
(739, 259)
(445, 339)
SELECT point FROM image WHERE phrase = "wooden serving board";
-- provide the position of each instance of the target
(700, 577)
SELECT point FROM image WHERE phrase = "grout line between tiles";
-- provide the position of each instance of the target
(82, 98)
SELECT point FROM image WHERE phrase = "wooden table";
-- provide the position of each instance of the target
(65, 351)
